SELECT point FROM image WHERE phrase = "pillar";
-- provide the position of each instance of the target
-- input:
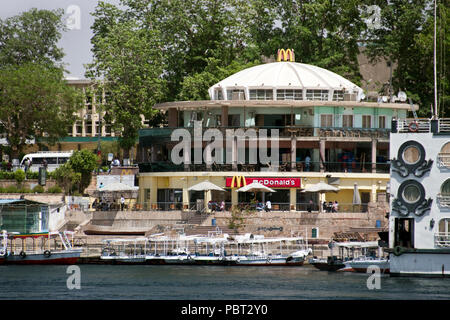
(153, 193)
(234, 197)
(294, 153)
(173, 118)
(322, 155)
(293, 199)
(373, 194)
(374, 155)
(234, 151)
(224, 117)
(185, 194)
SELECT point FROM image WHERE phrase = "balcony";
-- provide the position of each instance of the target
(167, 166)
(444, 200)
(443, 159)
(442, 239)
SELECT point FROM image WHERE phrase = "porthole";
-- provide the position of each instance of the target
(411, 193)
(411, 154)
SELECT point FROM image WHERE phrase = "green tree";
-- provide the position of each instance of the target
(405, 37)
(83, 163)
(31, 37)
(35, 103)
(128, 60)
(66, 177)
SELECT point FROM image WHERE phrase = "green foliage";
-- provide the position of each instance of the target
(38, 189)
(19, 176)
(82, 163)
(237, 220)
(11, 189)
(66, 177)
(32, 37)
(54, 189)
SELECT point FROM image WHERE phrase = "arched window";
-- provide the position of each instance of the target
(444, 195)
(442, 238)
(444, 156)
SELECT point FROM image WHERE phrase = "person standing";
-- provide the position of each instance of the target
(268, 206)
(122, 203)
(307, 162)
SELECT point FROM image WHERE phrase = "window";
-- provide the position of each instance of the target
(260, 94)
(79, 128)
(347, 121)
(235, 94)
(289, 94)
(382, 122)
(88, 127)
(218, 95)
(321, 95)
(234, 120)
(338, 95)
(326, 120)
(411, 155)
(411, 193)
(444, 226)
(97, 128)
(366, 121)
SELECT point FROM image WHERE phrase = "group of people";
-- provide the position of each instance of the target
(330, 206)
(214, 206)
(267, 207)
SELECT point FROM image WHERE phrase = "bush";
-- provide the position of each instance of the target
(38, 189)
(19, 176)
(55, 189)
(11, 189)
(23, 190)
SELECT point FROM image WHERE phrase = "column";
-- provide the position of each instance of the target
(185, 194)
(173, 118)
(234, 197)
(293, 199)
(322, 155)
(153, 193)
(234, 154)
(224, 117)
(294, 153)
(374, 155)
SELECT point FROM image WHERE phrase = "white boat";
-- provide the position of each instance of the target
(419, 222)
(124, 251)
(255, 250)
(361, 264)
(42, 253)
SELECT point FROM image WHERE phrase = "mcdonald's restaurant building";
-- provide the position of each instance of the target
(327, 133)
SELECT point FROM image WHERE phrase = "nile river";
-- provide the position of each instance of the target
(208, 283)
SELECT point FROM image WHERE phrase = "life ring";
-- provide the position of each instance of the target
(413, 126)
(47, 253)
(189, 257)
(22, 254)
(269, 259)
(398, 250)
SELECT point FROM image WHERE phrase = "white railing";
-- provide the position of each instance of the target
(443, 159)
(422, 125)
(442, 239)
(444, 200)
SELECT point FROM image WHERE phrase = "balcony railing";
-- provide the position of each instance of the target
(283, 131)
(444, 159)
(443, 200)
(422, 125)
(349, 167)
(442, 239)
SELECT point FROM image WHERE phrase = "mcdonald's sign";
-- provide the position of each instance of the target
(279, 182)
(236, 182)
(286, 55)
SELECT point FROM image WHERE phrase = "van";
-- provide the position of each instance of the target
(54, 159)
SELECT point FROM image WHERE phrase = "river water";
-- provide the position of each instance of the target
(136, 282)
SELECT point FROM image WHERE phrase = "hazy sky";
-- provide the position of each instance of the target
(76, 41)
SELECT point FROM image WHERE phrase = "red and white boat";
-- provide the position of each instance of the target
(62, 253)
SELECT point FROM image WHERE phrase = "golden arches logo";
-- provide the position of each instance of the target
(286, 55)
(126, 172)
(236, 182)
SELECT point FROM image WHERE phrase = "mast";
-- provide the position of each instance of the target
(435, 115)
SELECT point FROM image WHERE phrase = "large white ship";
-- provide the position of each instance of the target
(419, 222)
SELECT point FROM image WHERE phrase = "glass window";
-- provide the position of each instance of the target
(382, 122)
(289, 94)
(218, 95)
(326, 120)
(366, 121)
(235, 94)
(338, 95)
(444, 225)
(37, 160)
(411, 193)
(62, 160)
(411, 155)
(260, 94)
(445, 189)
(347, 121)
(320, 95)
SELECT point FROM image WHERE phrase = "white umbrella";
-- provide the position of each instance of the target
(255, 187)
(205, 186)
(356, 197)
(321, 187)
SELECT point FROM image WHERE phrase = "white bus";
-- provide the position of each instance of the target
(54, 159)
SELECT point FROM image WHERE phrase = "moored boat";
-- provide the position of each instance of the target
(43, 253)
(361, 264)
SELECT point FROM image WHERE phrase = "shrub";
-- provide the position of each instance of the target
(38, 189)
(19, 176)
(11, 189)
(55, 189)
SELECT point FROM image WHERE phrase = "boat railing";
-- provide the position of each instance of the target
(422, 125)
(442, 239)
(444, 199)
(443, 159)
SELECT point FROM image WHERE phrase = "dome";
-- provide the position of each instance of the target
(305, 79)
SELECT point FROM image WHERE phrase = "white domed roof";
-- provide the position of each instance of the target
(286, 75)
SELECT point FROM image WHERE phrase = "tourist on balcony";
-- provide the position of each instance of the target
(330, 207)
(259, 206)
(122, 203)
(324, 206)
(222, 206)
(307, 162)
(335, 206)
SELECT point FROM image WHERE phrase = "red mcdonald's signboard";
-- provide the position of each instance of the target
(240, 181)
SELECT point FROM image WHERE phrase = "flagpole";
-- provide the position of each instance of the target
(435, 115)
